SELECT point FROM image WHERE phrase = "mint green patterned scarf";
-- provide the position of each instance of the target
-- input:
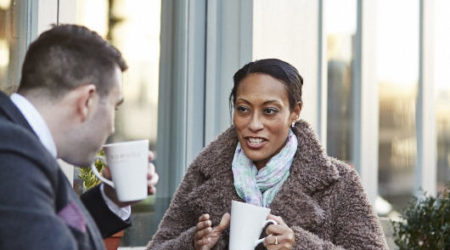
(260, 187)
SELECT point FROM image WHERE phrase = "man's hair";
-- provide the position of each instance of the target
(67, 56)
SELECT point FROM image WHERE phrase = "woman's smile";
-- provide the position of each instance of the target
(255, 143)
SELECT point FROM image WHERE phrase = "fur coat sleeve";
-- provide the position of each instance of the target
(348, 219)
(177, 227)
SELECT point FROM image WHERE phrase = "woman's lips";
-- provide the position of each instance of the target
(255, 142)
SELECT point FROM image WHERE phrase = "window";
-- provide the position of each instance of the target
(397, 74)
(13, 35)
(340, 26)
(442, 91)
(134, 28)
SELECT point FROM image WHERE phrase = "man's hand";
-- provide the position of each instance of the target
(152, 180)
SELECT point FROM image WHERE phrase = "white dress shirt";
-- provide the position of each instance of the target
(39, 126)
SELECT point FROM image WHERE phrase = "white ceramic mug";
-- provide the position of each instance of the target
(128, 162)
(247, 223)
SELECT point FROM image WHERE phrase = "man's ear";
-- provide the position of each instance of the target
(86, 101)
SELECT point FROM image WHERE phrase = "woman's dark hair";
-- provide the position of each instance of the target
(277, 69)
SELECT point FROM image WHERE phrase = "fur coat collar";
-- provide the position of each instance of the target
(311, 167)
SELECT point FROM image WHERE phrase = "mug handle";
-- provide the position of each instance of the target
(263, 226)
(97, 174)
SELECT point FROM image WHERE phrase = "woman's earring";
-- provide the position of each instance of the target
(293, 124)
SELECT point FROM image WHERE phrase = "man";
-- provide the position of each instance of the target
(64, 108)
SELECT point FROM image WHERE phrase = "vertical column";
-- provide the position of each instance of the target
(228, 47)
(195, 79)
(425, 117)
(365, 99)
(172, 96)
(181, 90)
(47, 15)
(67, 12)
(322, 93)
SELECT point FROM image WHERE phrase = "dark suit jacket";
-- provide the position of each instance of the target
(38, 207)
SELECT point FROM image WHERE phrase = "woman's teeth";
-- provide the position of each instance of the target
(255, 140)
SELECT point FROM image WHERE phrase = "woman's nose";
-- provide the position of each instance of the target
(255, 123)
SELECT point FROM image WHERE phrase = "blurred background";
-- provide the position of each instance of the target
(376, 86)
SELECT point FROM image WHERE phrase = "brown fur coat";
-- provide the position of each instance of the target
(322, 201)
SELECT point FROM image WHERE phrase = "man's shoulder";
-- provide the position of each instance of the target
(22, 144)
(13, 135)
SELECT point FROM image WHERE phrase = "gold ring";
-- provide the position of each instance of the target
(276, 240)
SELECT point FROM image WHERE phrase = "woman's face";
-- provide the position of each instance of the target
(262, 116)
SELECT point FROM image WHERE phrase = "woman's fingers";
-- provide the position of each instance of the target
(278, 219)
(203, 217)
(203, 228)
(203, 222)
(280, 236)
(224, 223)
(200, 234)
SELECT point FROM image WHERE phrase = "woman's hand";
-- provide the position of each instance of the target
(280, 236)
(207, 236)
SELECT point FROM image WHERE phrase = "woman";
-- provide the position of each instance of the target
(270, 158)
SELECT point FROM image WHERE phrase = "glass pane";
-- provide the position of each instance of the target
(288, 30)
(12, 42)
(397, 75)
(133, 26)
(340, 23)
(442, 79)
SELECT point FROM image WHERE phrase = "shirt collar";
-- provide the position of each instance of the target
(36, 122)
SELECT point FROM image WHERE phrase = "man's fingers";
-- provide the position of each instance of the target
(151, 190)
(151, 155)
(152, 176)
(106, 173)
(151, 168)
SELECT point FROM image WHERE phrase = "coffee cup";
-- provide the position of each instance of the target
(128, 163)
(247, 223)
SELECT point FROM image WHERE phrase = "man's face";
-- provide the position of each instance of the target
(100, 125)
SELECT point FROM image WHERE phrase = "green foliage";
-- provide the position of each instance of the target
(88, 177)
(426, 223)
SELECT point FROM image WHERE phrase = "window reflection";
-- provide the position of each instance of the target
(12, 42)
(397, 75)
(133, 26)
(340, 18)
(442, 97)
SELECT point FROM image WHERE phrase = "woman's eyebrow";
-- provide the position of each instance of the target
(272, 102)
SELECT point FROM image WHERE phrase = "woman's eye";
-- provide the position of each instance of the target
(270, 111)
(241, 109)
